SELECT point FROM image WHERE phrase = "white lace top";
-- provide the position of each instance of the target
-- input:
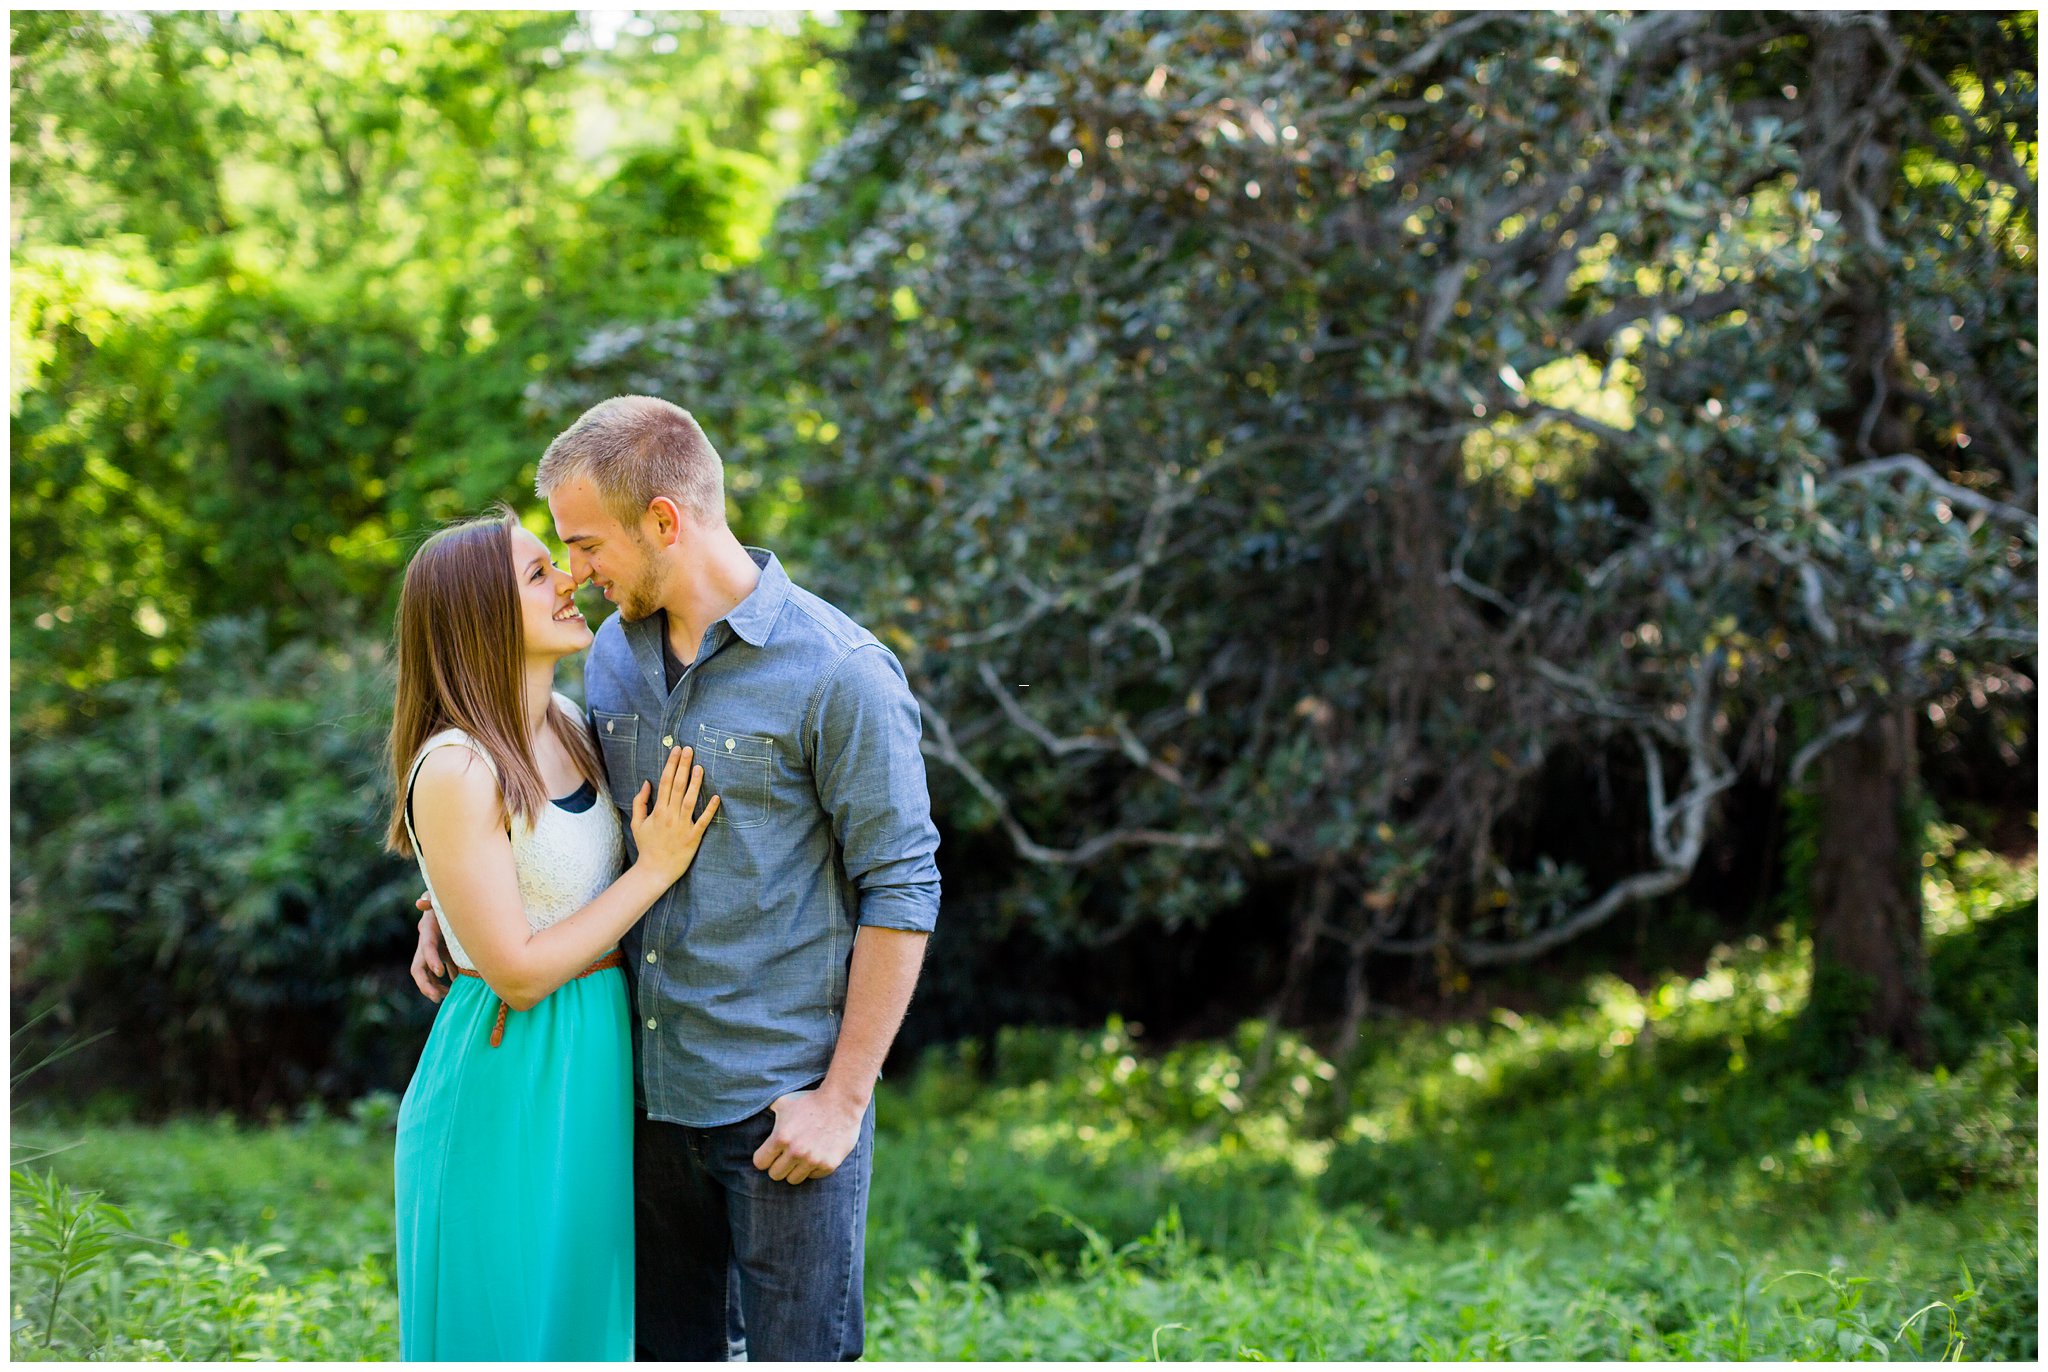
(564, 860)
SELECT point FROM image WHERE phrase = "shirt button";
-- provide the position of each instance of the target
(650, 1024)
(650, 957)
(728, 743)
(668, 740)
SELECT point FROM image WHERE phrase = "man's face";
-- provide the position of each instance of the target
(616, 558)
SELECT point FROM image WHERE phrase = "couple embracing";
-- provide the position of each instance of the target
(672, 936)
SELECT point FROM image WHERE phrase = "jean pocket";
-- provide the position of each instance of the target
(618, 737)
(739, 769)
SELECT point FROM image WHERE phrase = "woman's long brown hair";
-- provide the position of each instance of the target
(461, 649)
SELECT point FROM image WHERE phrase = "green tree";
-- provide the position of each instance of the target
(1318, 450)
(282, 281)
(1921, 139)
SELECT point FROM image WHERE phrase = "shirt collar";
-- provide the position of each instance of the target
(753, 619)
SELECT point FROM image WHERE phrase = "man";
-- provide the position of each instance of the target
(770, 981)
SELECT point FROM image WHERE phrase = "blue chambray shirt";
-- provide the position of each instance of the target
(807, 730)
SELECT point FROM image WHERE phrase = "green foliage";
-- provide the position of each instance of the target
(1102, 1138)
(200, 873)
(1615, 1280)
(282, 281)
(888, 45)
(58, 1236)
(1232, 494)
(1713, 1075)
(1934, 1138)
(1799, 846)
(1829, 1041)
(1073, 1196)
(1984, 974)
(1272, 442)
(146, 1299)
(315, 1285)
(319, 1186)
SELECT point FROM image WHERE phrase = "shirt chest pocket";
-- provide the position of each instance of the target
(739, 769)
(618, 737)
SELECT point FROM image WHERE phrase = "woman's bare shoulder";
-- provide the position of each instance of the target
(457, 775)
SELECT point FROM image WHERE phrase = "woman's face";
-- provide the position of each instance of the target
(552, 624)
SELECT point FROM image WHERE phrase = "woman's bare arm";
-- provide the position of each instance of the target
(468, 856)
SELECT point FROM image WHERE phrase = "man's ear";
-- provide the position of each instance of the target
(668, 520)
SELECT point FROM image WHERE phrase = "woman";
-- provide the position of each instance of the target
(514, 1157)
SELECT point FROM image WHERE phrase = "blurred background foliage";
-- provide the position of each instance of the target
(281, 279)
(1384, 516)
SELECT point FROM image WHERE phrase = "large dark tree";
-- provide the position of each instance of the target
(1415, 463)
(1911, 173)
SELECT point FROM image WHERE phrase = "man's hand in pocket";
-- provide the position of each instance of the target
(813, 1134)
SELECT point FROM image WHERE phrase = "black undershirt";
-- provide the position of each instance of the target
(671, 666)
(578, 800)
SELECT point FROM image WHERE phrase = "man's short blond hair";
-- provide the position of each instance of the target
(633, 448)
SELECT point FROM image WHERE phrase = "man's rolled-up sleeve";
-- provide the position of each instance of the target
(864, 732)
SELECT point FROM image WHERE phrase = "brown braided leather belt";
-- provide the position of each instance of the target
(612, 959)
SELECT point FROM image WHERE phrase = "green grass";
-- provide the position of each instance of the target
(1610, 1280)
(1645, 1173)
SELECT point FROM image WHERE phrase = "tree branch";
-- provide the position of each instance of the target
(1840, 729)
(938, 743)
(1415, 61)
(1597, 332)
(1864, 472)
(1678, 851)
(1125, 741)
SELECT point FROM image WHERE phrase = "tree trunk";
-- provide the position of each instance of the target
(1867, 944)
(1869, 959)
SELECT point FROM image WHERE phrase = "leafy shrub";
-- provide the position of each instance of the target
(59, 1236)
(1096, 1137)
(1983, 977)
(1616, 1279)
(1933, 1137)
(135, 1297)
(1711, 1075)
(198, 870)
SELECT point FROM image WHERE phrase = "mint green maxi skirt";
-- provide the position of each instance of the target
(514, 1180)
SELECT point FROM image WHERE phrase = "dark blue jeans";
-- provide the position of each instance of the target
(729, 1261)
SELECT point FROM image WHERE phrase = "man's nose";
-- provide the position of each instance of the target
(579, 568)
